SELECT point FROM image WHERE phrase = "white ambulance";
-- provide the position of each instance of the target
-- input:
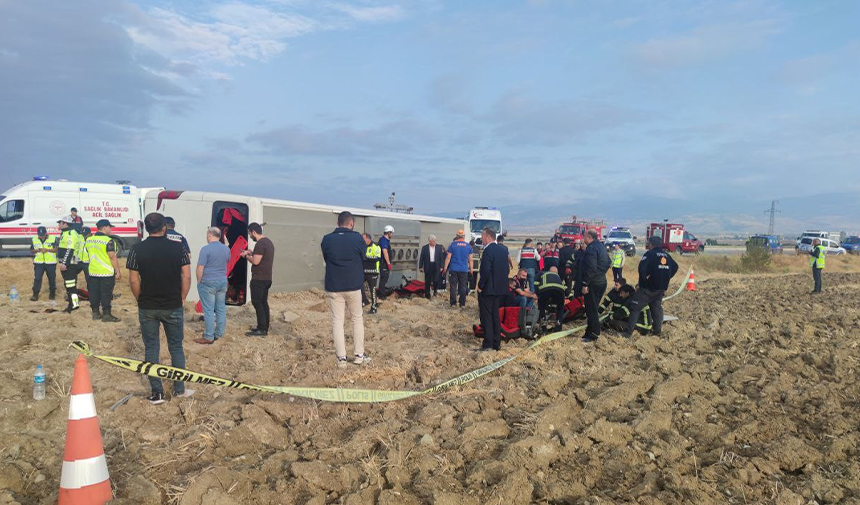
(482, 217)
(41, 202)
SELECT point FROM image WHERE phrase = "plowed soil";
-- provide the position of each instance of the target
(750, 397)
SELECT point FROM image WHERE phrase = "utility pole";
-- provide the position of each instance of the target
(773, 212)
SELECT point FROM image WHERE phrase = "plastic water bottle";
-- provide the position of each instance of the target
(39, 384)
(13, 295)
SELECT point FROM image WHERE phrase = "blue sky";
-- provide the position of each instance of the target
(629, 110)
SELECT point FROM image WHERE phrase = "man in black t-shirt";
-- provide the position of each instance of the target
(160, 277)
(262, 259)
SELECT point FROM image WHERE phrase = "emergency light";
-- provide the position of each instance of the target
(40, 178)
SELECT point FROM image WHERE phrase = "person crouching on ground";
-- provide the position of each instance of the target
(621, 313)
(343, 251)
(612, 300)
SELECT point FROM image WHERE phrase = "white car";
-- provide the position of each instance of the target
(832, 246)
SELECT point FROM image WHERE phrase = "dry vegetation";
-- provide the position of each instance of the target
(752, 397)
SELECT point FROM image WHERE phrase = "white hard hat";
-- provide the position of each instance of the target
(389, 229)
(67, 220)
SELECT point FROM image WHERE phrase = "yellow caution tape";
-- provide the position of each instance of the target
(324, 394)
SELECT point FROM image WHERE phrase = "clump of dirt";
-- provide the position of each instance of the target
(750, 397)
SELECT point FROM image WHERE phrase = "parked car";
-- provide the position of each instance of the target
(622, 237)
(831, 245)
(769, 242)
(852, 244)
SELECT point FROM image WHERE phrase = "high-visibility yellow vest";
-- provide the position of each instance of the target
(374, 252)
(617, 258)
(50, 242)
(82, 253)
(819, 261)
(100, 264)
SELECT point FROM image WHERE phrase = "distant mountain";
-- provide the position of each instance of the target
(830, 211)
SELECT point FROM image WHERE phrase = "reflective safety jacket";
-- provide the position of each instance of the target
(372, 255)
(645, 322)
(548, 282)
(97, 248)
(47, 258)
(617, 258)
(817, 255)
(611, 302)
(69, 247)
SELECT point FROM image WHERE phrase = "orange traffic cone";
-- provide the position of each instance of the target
(691, 281)
(84, 479)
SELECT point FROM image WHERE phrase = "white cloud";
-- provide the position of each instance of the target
(371, 14)
(234, 32)
(706, 43)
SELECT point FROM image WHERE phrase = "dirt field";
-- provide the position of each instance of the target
(751, 397)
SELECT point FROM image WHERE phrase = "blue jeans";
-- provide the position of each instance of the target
(173, 321)
(213, 296)
(531, 278)
(524, 301)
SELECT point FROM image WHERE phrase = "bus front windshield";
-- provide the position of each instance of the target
(478, 225)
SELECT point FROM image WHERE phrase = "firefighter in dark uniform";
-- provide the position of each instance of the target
(620, 313)
(565, 263)
(67, 256)
(372, 256)
(656, 269)
(550, 291)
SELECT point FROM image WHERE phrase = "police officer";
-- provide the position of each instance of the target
(67, 255)
(529, 260)
(83, 255)
(656, 269)
(816, 260)
(104, 271)
(372, 255)
(44, 246)
(550, 290)
(617, 261)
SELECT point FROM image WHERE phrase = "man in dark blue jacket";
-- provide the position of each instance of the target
(343, 252)
(595, 264)
(492, 286)
(655, 270)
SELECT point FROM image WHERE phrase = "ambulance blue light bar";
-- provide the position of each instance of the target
(40, 178)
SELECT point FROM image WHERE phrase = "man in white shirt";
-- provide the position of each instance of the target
(431, 263)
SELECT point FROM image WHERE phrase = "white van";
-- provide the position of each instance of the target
(41, 202)
(832, 246)
(482, 217)
(296, 229)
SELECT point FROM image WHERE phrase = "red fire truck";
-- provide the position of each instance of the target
(575, 229)
(675, 237)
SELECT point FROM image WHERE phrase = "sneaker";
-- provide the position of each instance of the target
(156, 398)
(188, 393)
(342, 362)
(372, 311)
(361, 359)
(110, 318)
